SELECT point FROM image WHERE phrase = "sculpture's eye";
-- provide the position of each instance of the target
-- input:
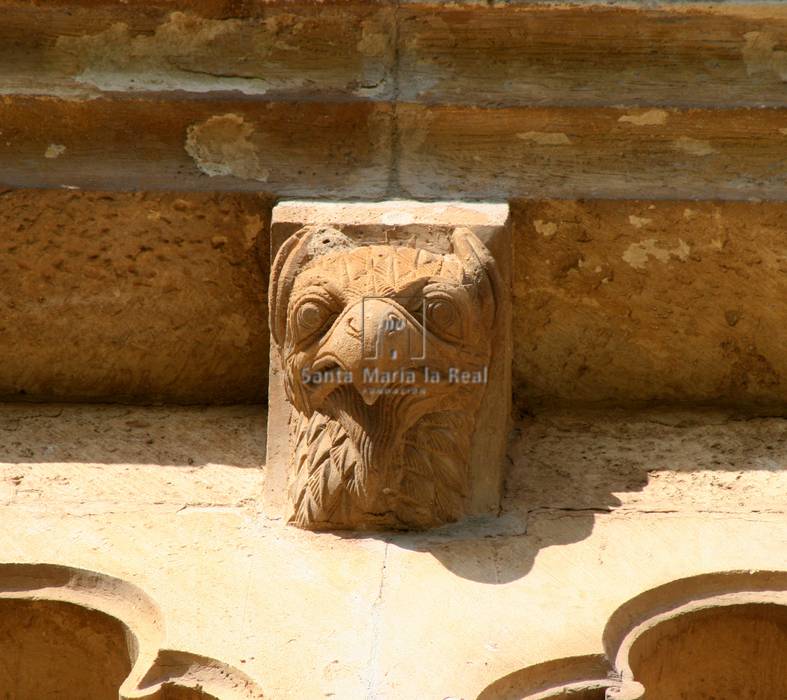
(313, 318)
(442, 315)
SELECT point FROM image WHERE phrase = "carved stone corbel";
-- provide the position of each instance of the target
(389, 390)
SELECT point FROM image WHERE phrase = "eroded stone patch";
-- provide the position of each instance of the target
(223, 145)
(653, 117)
(637, 254)
(694, 147)
(54, 150)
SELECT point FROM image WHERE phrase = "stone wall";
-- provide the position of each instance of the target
(133, 297)
(614, 302)
(636, 542)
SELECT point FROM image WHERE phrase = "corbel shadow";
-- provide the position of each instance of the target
(569, 469)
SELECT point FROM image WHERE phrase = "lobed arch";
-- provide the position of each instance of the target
(69, 632)
(718, 636)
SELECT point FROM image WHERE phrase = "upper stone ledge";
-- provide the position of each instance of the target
(228, 9)
(569, 53)
(636, 4)
(81, 50)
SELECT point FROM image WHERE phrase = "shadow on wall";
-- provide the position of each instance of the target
(711, 637)
(567, 469)
(72, 633)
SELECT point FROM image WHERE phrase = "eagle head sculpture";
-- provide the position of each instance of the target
(385, 351)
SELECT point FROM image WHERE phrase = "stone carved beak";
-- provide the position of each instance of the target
(374, 340)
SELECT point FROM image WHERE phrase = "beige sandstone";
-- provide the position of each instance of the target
(632, 545)
(398, 316)
(133, 297)
(643, 301)
(601, 508)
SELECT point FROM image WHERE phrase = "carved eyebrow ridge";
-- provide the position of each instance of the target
(325, 292)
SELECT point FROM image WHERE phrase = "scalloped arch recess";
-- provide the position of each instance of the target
(720, 636)
(67, 632)
(578, 678)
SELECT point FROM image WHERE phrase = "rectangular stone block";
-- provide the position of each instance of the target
(593, 54)
(212, 144)
(389, 389)
(371, 150)
(133, 297)
(579, 53)
(645, 301)
(287, 49)
(569, 152)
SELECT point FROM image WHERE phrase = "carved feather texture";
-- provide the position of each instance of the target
(399, 460)
(429, 485)
(324, 470)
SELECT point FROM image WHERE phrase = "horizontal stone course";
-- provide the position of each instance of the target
(365, 150)
(505, 54)
(163, 297)
(648, 301)
(133, 297)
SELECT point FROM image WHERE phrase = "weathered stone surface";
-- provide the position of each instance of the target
(51, 648)
(209, 445)
(580, 152)
(717, 636)
(601, 508)
(581, 584)
(651, 460)
(147, 143)
(587, 53)
(373, 150)
(622, 302)
(390, 362)
(647, 517)
(259, 49)
(136, 297)
(728, 650)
